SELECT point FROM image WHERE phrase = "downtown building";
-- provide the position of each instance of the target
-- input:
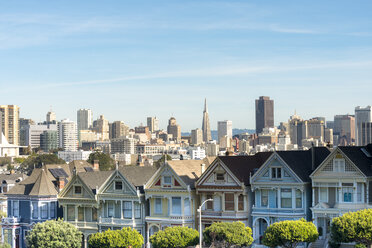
(264, 113)
(9, 118)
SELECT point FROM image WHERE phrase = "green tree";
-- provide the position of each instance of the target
(119, 238)
(38, 160)
(162, 159)
(105, 161)
(177, 236)
(54, 234)
(290, 233)
(228, 233)
(353, 227)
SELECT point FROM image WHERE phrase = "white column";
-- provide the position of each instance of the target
(39, 210)
(235, 202)
(314, 196)
(148, 236)
(13, 238)
(293, 198)
(133, 219)
(279, 199)
(76, 213)
(223, 202)
(121, 209)
(363, 193)
(2, 235)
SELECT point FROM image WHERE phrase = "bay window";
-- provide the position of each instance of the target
(158, 206)
(298, 198)
(187, 209)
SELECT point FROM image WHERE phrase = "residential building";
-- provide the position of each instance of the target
(23, 126)
(174, 129)
(153, 124)
(67, 135)
(118, 129)
(101, 126)
(8, 181)
(342, 183)
(196, 137)
(10, 123)
(6, 149)
(70, 156)
(124, 145)
(361, 115)
(264, 113)
(88, 136)
(143, 131)
(49, 140)
(282, 188)
(344, 128)
(84, 119)
(206, 128)
(224, 128)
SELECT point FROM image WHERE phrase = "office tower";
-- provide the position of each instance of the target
(297, 130)
(51, 117)
(206, 128)
(344, 128)
(174, 129)
(118, 129)
(49, 140)
(32, 133)
(361, 115)
(10, 123)
(84, 119)
(366, 133)
(224, 128)
(23, 126)
(264, 113)
(101, 126)
(328, 135)
(124, 145)
(67, 135)
(153, 124)
(315, 128)
(196, 137)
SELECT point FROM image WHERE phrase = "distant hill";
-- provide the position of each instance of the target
(215, 134)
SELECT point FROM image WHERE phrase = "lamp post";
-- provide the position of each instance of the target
(200, 222)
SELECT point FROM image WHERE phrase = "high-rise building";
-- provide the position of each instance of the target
(67, 135)
(10, 123)
(196, 137)
(206, 128)
(32, 133)
(315, 127)
(23, 126)
(51, 117)
(84, 119)
(174, 129)
(124, 145)
(118, 129)
(49, 140)
(224, 128)
(153, 124)
(297, 130)
(344, 128)
(101, 126)
(362, 115)
(366, 133)
(264, 113)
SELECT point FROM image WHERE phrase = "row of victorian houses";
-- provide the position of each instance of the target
(318, 185)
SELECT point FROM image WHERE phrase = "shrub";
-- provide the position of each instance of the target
(175, 237)
(117, 238)
(229, 233)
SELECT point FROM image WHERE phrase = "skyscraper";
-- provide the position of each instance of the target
(264, 113)
(153, 124)
(362, 115)
(84, 119)
(67, 135)
(10, 123)
(224, 129)
(196, 136)
(344, 128)
(51, 117)
(118, 129)
(174, 129)
(206, 128)
(101, 126)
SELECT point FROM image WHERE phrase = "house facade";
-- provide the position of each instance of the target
(342, 183)
(282, 188)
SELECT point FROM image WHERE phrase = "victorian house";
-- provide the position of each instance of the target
(342, 183)
(226, 182)
(282, 188)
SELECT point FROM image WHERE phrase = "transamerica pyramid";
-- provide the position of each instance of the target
(206, 128)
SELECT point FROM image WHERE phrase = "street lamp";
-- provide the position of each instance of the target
(200, 223)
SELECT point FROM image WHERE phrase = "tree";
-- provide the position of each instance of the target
(54, 233)
(229, 233)
(177, 236)
(118, 238)
(290, 233)
(39, 160)
(162, 159)
(353, 227)
(105, 161)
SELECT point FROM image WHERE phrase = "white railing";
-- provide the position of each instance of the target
(112, 220)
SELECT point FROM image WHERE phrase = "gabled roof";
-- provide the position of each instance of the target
(138, 175)
(244, 166)
(301, 161)
(359, 157)
(95, 179)
(79, 165)
(43, 186)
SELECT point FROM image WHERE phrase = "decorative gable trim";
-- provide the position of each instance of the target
(157, 177)
(114, 176)
(75, 179)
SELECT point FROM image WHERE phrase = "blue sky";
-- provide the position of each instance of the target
(133, 59)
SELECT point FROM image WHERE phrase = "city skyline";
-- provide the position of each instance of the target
(310, 57)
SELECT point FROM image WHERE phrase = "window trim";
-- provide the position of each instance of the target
(233, 201)
(81, 190)
(161, 205)
(267, 201)
(115, 188)
(223, 175)
(341, 164)
(172, 205)
(288, 190)
(15, 201)
(276, 168)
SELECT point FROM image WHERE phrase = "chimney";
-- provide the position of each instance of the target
(60, 183)
(202, 168)
(96, 165)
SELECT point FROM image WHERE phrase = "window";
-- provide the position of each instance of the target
(110, 209)
(70, 213)
(298, 198)
(359, 192)
(264, 197)
(52, 210)
(167, 180)
(286, 198)
(77, 189)
(158, 206)
(137, 210)
(323, 194)
(15, 208)
(229, 202)
(186, 204)
(94, 214)
(276, 173)
(80, 214)
(339, 165)
(209, 204)
(220, 176)
(44, 210)
(241, 202)
(176, 205)
(35, 210)
(127, 209)
(347, 193)
(118, 185)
